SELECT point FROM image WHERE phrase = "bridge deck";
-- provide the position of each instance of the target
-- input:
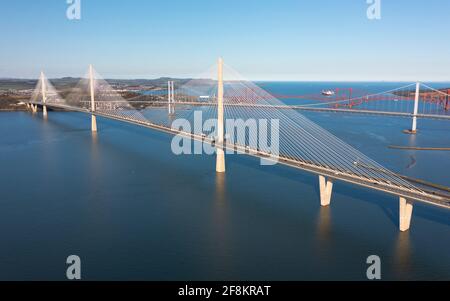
(300, 108)
(377, 184)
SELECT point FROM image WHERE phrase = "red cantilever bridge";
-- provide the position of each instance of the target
(347, 98)
(301, 143)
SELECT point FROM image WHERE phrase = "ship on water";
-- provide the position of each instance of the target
(328, 92)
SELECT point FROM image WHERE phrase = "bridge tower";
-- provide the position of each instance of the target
(220, 153)
(44, 95)
(91, 82)
(171, 98)
(447, 101)
(416, 109)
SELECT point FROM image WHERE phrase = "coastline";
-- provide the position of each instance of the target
(11, 110)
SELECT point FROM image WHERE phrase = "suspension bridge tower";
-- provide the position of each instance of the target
(415, 113)
(171, 98)
(416, 109)
(220, 153)
(92, 88)
(44, 95)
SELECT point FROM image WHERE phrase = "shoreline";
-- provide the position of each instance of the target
(9, 110)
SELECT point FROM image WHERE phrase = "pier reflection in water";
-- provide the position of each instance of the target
(402, 256)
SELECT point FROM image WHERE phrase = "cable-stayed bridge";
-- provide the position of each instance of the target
(223, 95)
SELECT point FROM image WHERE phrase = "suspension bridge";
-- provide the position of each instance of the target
(300, 143)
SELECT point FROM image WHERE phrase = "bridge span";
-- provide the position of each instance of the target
(297, 107)
(303, 144)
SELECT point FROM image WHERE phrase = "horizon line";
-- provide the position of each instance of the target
(251, 80)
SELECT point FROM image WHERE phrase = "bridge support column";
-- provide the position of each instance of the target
(447, 101)
(92, 88)
(34, 108)
(220, 161)
(416, 109)
(171, 98)
(44, 95)
(220, 156)
(406, 209)
(94, 123)
(326, 188)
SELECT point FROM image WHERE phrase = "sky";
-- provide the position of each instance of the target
(314, 40)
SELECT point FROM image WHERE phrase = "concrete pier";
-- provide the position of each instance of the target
(94, 123)
(406, 210)
(326, 189)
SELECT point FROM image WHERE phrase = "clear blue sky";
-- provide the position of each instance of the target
(262, 39)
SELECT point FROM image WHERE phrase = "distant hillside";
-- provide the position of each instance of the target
(17, 84)
(69, 82)
(14, 91)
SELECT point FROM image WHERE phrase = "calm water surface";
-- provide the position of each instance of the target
(134, 211)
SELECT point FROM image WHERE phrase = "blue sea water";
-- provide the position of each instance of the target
(132, 210)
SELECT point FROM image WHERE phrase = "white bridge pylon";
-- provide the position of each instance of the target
(225, 95)
(92, 93)
(45, 95)
(220, 153)
(170, 97)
